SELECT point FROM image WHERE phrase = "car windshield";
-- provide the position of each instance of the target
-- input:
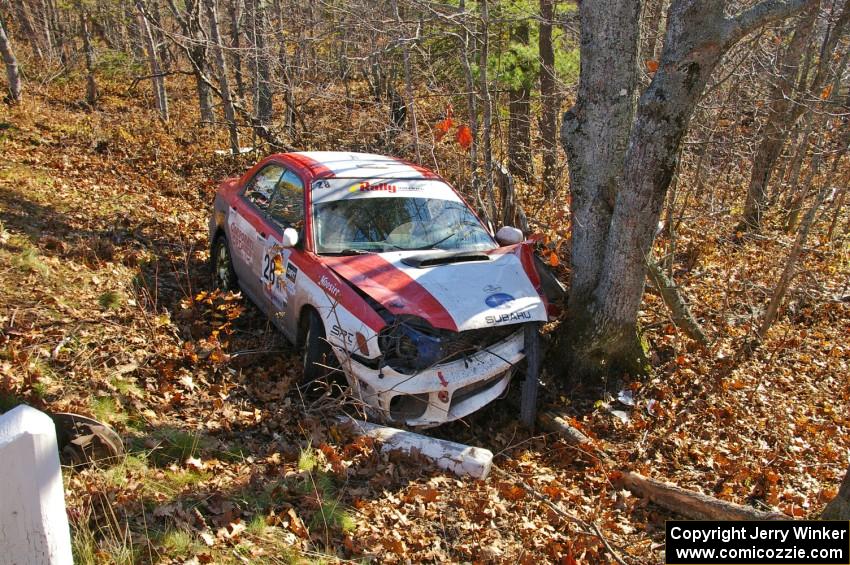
(351, 226)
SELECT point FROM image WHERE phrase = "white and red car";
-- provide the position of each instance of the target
(383, 265)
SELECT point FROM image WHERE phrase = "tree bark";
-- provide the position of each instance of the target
(263, 104)
(548, 100)
(519, 115)
(594, 133)
(839, 507)
(13, 75)
(224, 82)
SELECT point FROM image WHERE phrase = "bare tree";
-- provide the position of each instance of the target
(13, 76)
(782, 114)
(189, 20)
(157, 76)
(91, 84)
(549, 105)
(224, 83)
(519, 110)
(785, 112)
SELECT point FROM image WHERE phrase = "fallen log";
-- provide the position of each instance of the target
(688, 503)
(679, 310)
(458, 458)
(554, 423)
(692, 504)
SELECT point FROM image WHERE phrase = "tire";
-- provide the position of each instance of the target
(224, 277)
(531, 384)
(318, 355)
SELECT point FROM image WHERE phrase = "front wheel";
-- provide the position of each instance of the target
(224, 276)
(317, 352)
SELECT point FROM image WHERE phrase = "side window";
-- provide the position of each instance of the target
(261, 188)
(287, 205)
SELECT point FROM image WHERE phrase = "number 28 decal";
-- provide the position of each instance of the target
(271, 265)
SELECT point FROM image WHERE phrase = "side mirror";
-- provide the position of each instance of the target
(508, 235)
(290, 238)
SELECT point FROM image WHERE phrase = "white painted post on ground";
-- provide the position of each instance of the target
(33, 521)
(458, 458)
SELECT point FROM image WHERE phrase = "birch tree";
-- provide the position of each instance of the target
(13, 75)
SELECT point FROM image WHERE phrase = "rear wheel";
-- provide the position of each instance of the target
(224, 277)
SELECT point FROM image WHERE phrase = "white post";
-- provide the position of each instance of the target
(33, 521)
(458, 458)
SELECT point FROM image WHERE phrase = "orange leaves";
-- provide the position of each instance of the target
(826, 92)
(511, 492)
(464, 136)
(651, 65)
(442, 128)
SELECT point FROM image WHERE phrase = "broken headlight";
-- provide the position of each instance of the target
(410, 344)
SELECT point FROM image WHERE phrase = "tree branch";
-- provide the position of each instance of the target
(762, 13)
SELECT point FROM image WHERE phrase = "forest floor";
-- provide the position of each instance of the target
(106, 310)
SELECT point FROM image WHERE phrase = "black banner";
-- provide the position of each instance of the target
(792, 542)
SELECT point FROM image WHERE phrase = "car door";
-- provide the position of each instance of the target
(249, 229)
(280, 265)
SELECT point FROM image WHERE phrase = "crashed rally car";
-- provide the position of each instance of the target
(382, 265)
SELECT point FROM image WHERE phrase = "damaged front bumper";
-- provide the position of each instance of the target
(441, 393)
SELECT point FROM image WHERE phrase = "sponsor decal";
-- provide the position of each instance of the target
(491, 289)
(366, 186)
(345, 336)
(443, 381)
(321, 184)
(291, 272)
(242, 243)
(498, 300)
(510, 318)
(326, 284)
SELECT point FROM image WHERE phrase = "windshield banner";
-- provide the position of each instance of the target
(328, 190)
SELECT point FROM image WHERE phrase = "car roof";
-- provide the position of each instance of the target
(345, 164)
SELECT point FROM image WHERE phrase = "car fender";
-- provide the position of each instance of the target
(350, 322)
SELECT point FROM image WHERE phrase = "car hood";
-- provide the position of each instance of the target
(453, 291)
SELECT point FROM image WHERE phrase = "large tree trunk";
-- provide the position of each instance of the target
(594, 133)
(13, 76)
(622, 160)
(839, 507)
(548, 100)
